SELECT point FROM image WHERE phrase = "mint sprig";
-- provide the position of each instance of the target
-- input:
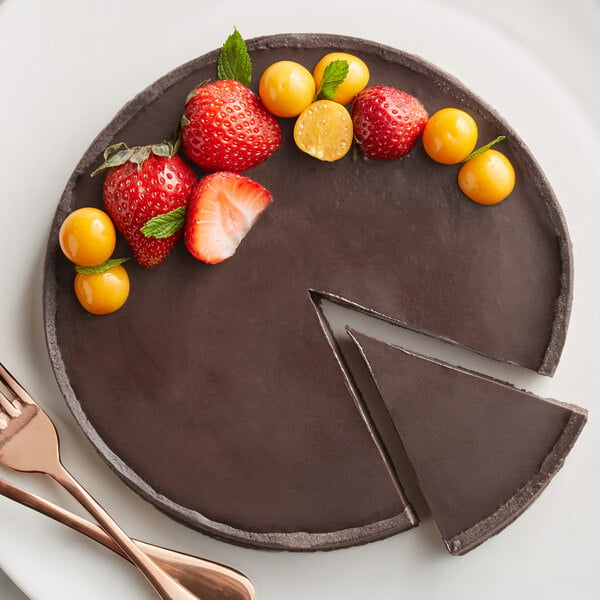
(111, 263)
(234, 61)
(485, 148)
(165, 225)
(333, 76)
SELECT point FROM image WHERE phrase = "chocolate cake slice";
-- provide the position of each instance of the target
(482, 450)
(227, 366)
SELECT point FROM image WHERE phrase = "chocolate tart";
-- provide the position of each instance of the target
(214, 392)
(482, 450)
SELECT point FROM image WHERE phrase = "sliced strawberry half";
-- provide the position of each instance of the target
(221, 211)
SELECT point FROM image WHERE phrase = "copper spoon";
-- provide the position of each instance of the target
(207, 579)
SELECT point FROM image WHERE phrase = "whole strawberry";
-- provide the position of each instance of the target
(143, 183)
(387, 121)
(225, 127)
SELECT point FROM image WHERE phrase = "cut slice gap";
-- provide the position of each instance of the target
(341, 312)
(482, 450)
(334, 318)
(383, 426)
(358, 381)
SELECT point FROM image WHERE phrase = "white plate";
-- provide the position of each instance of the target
(67, 67)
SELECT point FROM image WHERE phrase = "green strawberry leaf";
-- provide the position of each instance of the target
(119, 154)
(140, 155)
(114, 149)
(164, 149)
(111, 263)
(334, 75)
(167, 148)
(114, 156)
(234, 61)
(485, 148)
(165, 225)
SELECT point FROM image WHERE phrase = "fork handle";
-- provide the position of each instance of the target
(166, 587)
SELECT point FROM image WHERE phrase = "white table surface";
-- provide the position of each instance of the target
(66, 67)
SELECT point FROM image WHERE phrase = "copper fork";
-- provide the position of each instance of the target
(29, 443)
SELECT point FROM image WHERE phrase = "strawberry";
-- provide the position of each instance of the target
(221, 210)
(141, 184)
(387, 121)
(225, 127)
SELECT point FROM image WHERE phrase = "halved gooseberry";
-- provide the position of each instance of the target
(324, 130)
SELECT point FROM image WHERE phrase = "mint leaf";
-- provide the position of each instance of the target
(111, 263)
(334, 74)
(163, 226)
(484, 148)
(234, 61)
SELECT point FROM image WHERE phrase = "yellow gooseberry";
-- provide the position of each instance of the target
(102, 293)
(286, 88)
(450, 136)
(488, 178)
(87, 237)
(355, 81)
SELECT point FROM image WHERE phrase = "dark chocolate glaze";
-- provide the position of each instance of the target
(214, 393)
(481, 449)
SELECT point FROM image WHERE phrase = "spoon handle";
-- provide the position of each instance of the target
(207, 579)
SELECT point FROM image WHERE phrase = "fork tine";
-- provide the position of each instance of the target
(8, 409)
(11, 407)
(14, 386)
